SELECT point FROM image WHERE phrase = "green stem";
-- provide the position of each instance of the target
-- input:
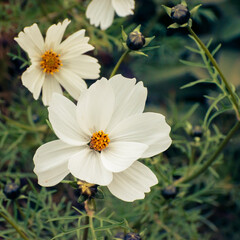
(119, 63)
(85, 233)
(25, 127)
(92, 228)
(14, 226)
(211, 159)
(214, 63)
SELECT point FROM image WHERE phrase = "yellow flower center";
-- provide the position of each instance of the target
(99, 141)
(50, 62)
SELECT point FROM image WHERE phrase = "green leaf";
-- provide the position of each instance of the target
(137, 29)
(216, 49)
(192, 64)
(197, 82)
(149, 48)
(124, 35)
(148, 40)
(167, 9)
(138, 53)
(195, 9)
(193, 49)
(183, 2)
(174, 25)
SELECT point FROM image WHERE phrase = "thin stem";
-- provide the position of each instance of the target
(92, 228)
(85, 233)
(214, 63)
(211, 159)
(14, 226)
(119, 63)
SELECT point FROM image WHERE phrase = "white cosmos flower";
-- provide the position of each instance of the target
(101, 12)
(56, 63)
(101, 139)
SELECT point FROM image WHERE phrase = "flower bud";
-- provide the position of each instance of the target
(87, 190)
(180, 14)
(169, 192)
(11, 190)
(135, 40)
(132, 236)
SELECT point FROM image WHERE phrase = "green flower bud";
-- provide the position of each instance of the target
(132, 236)
(11, 190)
(169, 192)
(135, 40)
(180, 14)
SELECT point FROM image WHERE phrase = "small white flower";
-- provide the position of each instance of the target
(101, 139)
(101, 12)
(55, 62)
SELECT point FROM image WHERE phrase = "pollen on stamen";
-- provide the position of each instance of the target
(50, 62)
(99, 141)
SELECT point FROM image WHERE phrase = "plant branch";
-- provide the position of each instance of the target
(214, 63)
(211, 159)
(119, 63)
(14, 226)
(85, 233)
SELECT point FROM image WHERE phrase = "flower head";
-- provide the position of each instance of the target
(101, 139)
(56, 62)
(101, 12)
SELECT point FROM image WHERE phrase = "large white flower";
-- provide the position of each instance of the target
(101, 12)
(55, 62)
(101, 139)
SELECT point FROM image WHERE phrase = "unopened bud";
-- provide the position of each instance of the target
(135, 40)
(180, 14)
(11, 190)
(169, 192)
(132, 236)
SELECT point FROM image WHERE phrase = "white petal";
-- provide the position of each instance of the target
(86, 67)
(73, 83)
(75, 45)
(118, 156)
(50, 86)
(87, 166)
(148, 128)
(31, 41)
(100, 13)
(130, 98)
(132, 183)
(95, 107)
(123, 7)
(33, 79)
(51, 162)
(62, 115)
(54, 35)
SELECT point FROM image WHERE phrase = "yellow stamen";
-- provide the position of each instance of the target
(99, 141)
(50, 62)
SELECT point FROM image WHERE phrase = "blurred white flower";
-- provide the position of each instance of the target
(101, 12)
(101, 139)
(56, 63)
